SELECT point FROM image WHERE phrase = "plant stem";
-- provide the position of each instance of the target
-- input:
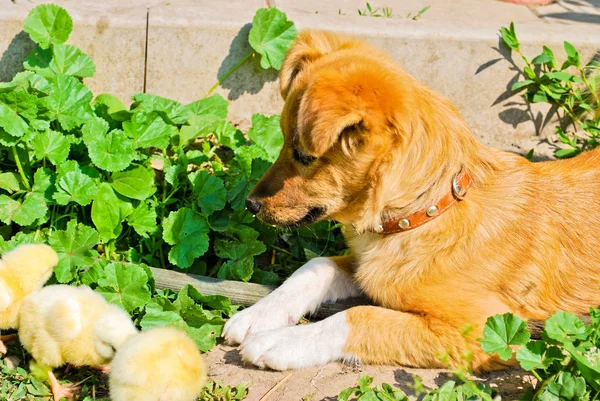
(211, 152)
(20, 168)
(162, 257)
(537, 376)
(231, 71)
(278, 249)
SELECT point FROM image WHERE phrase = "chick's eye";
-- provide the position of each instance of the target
(303, 158)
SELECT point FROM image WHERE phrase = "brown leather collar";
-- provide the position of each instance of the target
(460, 184)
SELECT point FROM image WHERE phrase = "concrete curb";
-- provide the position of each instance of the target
(180, 48)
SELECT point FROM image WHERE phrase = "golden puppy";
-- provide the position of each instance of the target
(444, 231)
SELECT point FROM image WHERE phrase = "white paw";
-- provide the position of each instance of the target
(317, 281)
(265, 315)
(299, 346)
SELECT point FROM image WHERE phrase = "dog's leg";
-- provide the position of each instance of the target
(320, 280)
(366, 333)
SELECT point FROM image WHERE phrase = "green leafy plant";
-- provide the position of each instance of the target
(158, 183)
(215, 391)
(386, 12)
(449, 391)
(571, 87)
(419, 13)
(364, 391)
(565, 362)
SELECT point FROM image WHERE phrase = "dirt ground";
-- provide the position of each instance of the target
(325, 383)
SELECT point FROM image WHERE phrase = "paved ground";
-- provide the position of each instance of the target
(327, 382)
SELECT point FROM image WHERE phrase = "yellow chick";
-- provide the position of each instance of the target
(161, 364)
(63, 324)
(23, 271)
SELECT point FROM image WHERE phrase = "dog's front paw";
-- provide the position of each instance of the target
(265, 315)
(298, 346)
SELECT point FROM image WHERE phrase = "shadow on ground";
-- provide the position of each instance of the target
(250, 77)
(12, 59)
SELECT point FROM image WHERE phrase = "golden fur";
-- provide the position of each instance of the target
(524, 240)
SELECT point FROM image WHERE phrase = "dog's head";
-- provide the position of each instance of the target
(346, 107)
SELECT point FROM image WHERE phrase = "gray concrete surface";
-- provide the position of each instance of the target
(180, 48)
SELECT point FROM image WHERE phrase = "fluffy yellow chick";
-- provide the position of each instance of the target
(23, 271)
(161, 364)
(64, 324)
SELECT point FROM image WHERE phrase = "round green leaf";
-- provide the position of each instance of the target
(69, 101)
(74, 248)
(187, 231)
(10, 182)
(501, 331)
(60, 59)
(215, 105)
(271, 36)
(565, 327)
(113, 152)
(143, 219)
(109, 212)
(172, 112)
(148, 130)
(209, 190)
(16, 109)
(266, 132)
(537, 355)
(135, 183)
(125, 286)
(8, 208)
(94, 129)
(241, 254)
(51, 145)
(75, 187)
(34, 208)
(48, 24)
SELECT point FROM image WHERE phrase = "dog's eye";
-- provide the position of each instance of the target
(303, 158)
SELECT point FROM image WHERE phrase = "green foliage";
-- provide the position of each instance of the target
(215, 391)
(363, 391)
(502, 331)
(202, 317)
(271, 36)
(449, 391)
(159, 183)
(48, 25)
(566, 362)
(577, 96)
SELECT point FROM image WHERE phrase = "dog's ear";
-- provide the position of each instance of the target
(309, 46)
(351, 104)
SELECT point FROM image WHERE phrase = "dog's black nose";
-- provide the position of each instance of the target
(253, 205)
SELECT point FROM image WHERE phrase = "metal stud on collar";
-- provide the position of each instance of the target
(458, 191)
(404, 224)
(432, 211)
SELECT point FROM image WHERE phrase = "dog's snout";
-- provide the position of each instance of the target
(253, 205)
